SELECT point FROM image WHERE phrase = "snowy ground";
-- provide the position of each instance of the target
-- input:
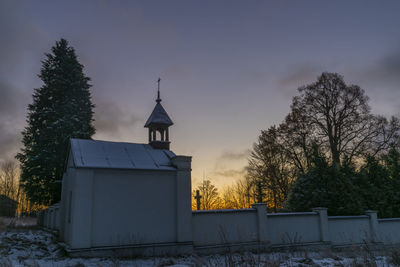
(38, 248)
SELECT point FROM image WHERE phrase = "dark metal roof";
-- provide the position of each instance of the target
(159, 117)
(119, 155)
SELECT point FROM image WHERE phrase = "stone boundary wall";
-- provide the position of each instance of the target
(217, 228)
(50, 217)
(254, 228)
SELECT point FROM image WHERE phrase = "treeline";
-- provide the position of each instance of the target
(349, 190)
(237, 196)
(13, 199)
(329, 151)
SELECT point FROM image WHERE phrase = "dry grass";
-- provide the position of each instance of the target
(17, 223)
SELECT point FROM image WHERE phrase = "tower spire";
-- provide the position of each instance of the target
(159, 122)
(158, 90)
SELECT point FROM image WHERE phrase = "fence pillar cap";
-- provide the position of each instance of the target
(370, 211)
(258, 204)
(319, 208)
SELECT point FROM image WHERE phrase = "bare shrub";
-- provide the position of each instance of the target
(166, 262)
(395, 257)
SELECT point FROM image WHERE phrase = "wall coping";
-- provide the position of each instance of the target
(310, 213)
(222, 211)
(389, 220)
(348, 217)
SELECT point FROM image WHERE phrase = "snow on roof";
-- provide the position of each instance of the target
(119, 155)
(159, 116)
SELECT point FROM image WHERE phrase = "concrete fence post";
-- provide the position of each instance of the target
(45, 218)
(57, 218)
(373, 224)
(323, 223)
(41, 221)
(262, 228)
(48, 216)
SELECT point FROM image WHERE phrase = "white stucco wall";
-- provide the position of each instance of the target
(224, 227)
(81, 208)
(118, 207)
(389, 230)
(115, 207)
(289, 228)
(293, 228)
(55, 218)
(67, 187)
(348, 229)
(133, 207)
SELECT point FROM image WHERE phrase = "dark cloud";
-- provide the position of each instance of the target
(231, 155)
(10, 142)
(223, 166)
(386, 69)
(21, 39)
(112, 121)
(298, 76)
(228, 157)
(231, 173)
(380, 78)
(21, 44)
(8, 99)
(10, 136)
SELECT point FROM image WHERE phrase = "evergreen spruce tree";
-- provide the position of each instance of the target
(376, 187)
(61, 109)
(325, 185)
(392, 163)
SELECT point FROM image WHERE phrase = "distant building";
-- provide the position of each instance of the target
(8, 206)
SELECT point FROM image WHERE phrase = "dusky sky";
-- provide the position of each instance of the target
(229, 69)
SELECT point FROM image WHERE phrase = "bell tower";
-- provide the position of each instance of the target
(158, 124)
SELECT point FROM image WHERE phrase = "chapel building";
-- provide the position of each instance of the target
(124, 195)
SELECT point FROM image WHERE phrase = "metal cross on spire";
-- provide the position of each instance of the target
(158, 90)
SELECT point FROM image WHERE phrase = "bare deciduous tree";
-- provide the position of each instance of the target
(9, 187)
(340, 119)
(328, 116)
(237, 196)
(9, 180)
(209, 195)
(270, 169)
